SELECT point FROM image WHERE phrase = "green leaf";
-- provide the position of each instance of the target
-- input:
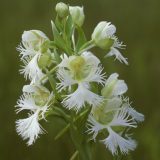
(63, 113)
(58, 23)
(76, 137)
(51, 112)
(54, 30)
(81, 38)
(69, 27)
(52, 82)
(57, 37)
(57, 56)
(82, 119)
(59, 41)
(62, 132)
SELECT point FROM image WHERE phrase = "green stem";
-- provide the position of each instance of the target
(73, 40)
(65, 129)
(81, 144)
(74, 155)
(49, 72)
(79, 139)
(87, 46)
(62, 132)
(49, 113)
(60, 111)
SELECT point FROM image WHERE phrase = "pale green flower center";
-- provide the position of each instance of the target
(78, 68)
(105, 117)
(102, 116)
(41, 97)
(44, 60)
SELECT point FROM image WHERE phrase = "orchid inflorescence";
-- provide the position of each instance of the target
(68, 81)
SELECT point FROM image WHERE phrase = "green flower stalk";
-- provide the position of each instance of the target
(69, 82)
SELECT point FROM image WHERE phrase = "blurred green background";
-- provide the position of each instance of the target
(138, 25)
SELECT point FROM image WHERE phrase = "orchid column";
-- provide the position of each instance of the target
(66, 80)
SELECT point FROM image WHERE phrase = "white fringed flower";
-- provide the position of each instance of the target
(36, 100)
(81, 71)
(104, 37)
(103, 31)
(113, 116)
(107, 119)
(31, 43)
(30, 51)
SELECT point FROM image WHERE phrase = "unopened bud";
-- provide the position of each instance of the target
(62, 9)
(77, 15)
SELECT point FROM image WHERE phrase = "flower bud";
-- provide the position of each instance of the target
(77, 15)
(62, 9)
(102, 35)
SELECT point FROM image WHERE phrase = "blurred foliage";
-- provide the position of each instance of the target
(138, 25)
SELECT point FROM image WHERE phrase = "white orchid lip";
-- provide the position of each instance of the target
(115, 141)
(31, 69)
(79, 98)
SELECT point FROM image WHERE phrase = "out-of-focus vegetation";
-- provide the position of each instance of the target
(138, 25)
